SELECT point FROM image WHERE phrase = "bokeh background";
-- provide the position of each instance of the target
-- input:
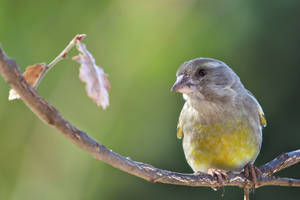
(140, 44)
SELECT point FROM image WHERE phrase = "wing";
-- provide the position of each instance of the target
(263, 121)
(181, 121)
(179, 132)
(262, 118)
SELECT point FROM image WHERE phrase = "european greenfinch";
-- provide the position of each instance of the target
(221, 121)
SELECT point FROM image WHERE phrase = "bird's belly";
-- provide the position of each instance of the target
(228, 147)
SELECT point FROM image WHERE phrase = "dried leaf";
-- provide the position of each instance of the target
(31, 75)
(97, 84)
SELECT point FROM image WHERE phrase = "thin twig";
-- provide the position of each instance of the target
(246, 193)
(283, 161)
(50, 115)
(60, 57)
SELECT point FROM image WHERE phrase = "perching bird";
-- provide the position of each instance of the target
(221, 121)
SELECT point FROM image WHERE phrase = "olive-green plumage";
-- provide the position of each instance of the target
(221, 121)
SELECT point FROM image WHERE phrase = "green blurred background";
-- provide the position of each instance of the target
(140, 44)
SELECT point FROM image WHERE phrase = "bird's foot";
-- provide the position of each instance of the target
(221, 176)
(254, 172)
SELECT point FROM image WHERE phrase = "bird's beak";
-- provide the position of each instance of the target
(183, 85)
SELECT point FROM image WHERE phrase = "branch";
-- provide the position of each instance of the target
(50, 115)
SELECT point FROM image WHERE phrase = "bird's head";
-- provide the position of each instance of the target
(206, 78)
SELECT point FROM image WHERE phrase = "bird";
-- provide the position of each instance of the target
(221, 122)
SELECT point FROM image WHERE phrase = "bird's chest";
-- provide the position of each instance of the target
(227, 143)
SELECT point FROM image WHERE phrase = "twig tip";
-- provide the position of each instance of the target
(80, 37)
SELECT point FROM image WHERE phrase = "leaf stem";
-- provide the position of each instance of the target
(60, 57)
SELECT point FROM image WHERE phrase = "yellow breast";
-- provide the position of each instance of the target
(227, 146)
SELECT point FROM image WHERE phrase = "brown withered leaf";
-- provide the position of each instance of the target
(31, 75)
(97, 84)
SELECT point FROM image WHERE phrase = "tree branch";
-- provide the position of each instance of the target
(50, 115)
(246, 193)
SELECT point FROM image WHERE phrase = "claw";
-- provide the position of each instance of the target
(255, 172)
(221, 175)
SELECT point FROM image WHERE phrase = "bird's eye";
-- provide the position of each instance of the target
(201, 72)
